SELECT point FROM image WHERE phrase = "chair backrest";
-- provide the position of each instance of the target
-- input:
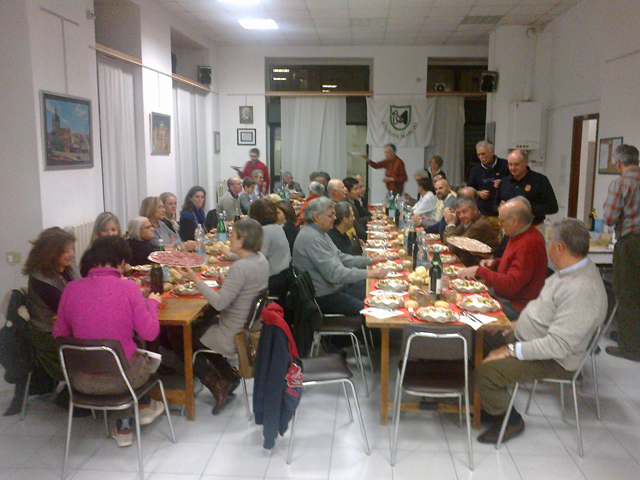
(597, 336)
(437, 342)
(93, 356)
(259, 303)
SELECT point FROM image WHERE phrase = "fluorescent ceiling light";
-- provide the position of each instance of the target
(240, 2)
(329, 86)
(258, 23)
(279, 78)
(281, 70)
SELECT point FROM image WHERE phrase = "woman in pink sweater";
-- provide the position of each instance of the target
(103, 305)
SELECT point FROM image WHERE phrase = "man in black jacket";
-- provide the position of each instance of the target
(345, 219)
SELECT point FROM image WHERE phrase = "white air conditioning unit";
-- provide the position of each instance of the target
(525, 123)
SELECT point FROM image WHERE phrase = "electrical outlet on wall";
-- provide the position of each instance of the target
(14, 258)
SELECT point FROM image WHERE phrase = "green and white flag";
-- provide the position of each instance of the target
(403, 121)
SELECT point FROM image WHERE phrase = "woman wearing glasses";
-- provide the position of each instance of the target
(140, 235)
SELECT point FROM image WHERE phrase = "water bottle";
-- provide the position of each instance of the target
(401, 213)
(423, 253)
(391, 207)
(221, 231)
(199, 238)
(435, 274)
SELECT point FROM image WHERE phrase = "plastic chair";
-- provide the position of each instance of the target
(434, 364)
(573, 381)
(325, 371)
(104, 356)
(259, 303)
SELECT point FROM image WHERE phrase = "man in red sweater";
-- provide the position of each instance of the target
(518, 276)
(255, 164)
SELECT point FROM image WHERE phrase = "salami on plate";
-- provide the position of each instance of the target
(178, 259)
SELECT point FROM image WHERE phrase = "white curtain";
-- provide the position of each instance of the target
(448, 137)
(314, 136)
(118, 139)
(192, 142)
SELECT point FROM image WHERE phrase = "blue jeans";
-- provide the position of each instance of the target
(347, 301)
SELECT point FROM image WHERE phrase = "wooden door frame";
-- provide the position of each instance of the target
(574, 170)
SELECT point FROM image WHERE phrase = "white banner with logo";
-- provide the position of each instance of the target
(403, 121)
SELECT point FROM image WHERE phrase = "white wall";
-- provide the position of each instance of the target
(396, 70)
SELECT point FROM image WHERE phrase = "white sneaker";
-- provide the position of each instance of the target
(123, 438)
(150, 413)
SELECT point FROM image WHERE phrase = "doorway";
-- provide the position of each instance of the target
(583, 166)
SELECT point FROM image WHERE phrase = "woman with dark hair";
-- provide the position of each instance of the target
(287, 218)
(102, 305)
(247, 277)
(140, 237)
(192, 213)
(50, 267)
(275, 246)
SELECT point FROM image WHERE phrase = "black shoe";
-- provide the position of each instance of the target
(618, 352)
(492, 433)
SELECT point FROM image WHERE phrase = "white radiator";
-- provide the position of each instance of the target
(82, 232)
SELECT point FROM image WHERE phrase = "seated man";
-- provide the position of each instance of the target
(409, 200)
(472, 225)
(518, 276)
(440, 225)
(353, 193)
(316, 190)
(258, 177)
(344, 222)
(295, 190)
(248, 188)
(446, 198)
(362, 205)
(229, 202)
(553, 331)
(338, 278)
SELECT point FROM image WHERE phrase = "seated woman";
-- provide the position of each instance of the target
(275, 246)
(170, 202)
(246, 278)
(50, 267)
(140, 236)
(153, 209)
(102, 305)
(192, 213)
(287, 218)
(106, 224)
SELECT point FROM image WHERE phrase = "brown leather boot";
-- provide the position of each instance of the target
(211, 378)
(225, 368)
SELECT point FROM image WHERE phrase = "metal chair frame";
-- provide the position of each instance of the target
(464, 392)
(573, 381)
(135, 396)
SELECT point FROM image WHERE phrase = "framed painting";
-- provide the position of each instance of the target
(67, 134)
(160, 134)
(246, 136)
(246, 115)
(606, 164)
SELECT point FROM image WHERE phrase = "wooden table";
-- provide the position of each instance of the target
(385, 326)
(183, 312)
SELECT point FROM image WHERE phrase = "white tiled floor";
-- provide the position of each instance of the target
(327, 446)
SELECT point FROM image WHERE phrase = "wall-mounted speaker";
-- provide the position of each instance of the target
(489, 82)
(204, 75)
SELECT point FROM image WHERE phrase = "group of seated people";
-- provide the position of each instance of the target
(326, 242)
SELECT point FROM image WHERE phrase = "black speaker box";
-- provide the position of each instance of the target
(204, 75)
(489, 82)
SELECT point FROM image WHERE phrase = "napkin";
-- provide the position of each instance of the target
(483, 320)
(381, 313)
(381, 292)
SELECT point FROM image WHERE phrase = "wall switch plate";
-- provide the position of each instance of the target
(14, 258)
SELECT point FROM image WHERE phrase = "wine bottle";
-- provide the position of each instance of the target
(156, 279)
(435, 274)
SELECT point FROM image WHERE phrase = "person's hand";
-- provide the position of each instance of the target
(407, 197)
(154, 296)
(377, 273)
(489, 263)
(220, 278)
(449, 216)
(225, 251)
(189, 274)
(483, 194)
(416, 219)
(496, 182)
(497, 354)
(378, 259)
(468, 273)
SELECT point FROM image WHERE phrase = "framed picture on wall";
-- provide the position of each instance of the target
(246, 115)
(216, 142)
(246, 136)
(160, 134)
(606, 164)
(67, 138)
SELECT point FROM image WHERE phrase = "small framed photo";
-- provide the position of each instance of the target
(246, 115)
(66, 123)
(606, 164)
(246, 136)
(216, 142)
(160, 134)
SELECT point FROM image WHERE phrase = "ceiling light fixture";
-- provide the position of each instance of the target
(240, 2)
(258, 23)
(279, 78)
(280, 70)
(329, 86)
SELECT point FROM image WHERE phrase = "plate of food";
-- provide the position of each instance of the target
(381, 235)
(431, 237)
(442, 248)
(385, 300)
(213, 272)
(480, 304)
(436, 314)
(389, 265)
(469, 244)
(391, 255)
(378, 244)
(178, 259)
(377, 228)
(448, 258)
(141, 268)
(467, 286)
(392, 285)
(185, 290)
(451, 270)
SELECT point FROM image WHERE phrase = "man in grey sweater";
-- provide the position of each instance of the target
(338, 278)
(552, 333)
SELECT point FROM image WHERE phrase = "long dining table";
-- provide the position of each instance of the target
(399, 322)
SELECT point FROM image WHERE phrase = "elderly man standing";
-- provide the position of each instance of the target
(518, 276)
(472, 225)
(395, 174)
(534, 186)
(230, 202)
(486, 178)
(338, 278)
(552, 333)
(622, 210)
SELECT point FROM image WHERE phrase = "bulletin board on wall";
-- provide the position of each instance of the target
(606, 163)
